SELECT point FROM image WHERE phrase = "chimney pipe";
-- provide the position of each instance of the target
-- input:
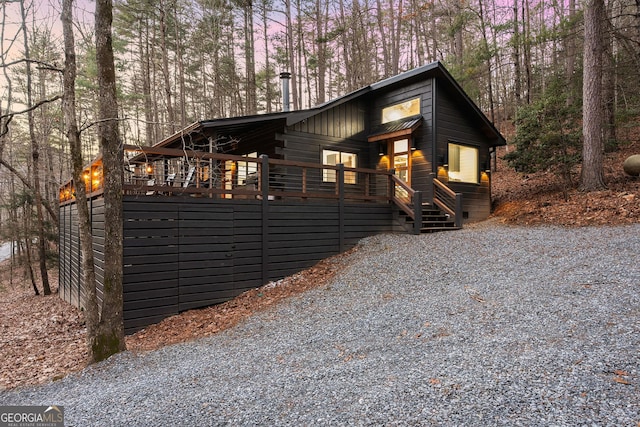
(284, 80)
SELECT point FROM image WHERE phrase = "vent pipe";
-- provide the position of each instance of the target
(284, 80)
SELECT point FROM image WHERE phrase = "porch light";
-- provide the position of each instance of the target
(382, 148)
(484, 177)
(443, 175)
(149, 169)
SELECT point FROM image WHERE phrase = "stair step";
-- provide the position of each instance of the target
(433, 220)
(435, 229)
(438, 224)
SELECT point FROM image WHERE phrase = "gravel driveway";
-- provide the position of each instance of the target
(490, 325)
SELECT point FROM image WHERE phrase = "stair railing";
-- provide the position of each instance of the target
(407, 199)
(448, 200)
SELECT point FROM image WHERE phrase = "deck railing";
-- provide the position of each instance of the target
(449, 201)
(152, 171)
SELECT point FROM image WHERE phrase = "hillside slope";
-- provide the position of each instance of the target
(538, 198)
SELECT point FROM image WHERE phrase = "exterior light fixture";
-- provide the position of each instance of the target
(443, 174)
(149, 169)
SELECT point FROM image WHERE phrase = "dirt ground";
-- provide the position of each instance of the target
(42, 338)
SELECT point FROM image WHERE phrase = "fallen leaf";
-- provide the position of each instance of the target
(621, 380)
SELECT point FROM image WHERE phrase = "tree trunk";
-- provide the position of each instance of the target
(592, 177)
(516, 56)
(250, 62)
(89, 302)
(485, 44)
(570, 54)
(109, 334)
(269, 96)
(35, 155)
(609, 89)
(171, 116)
(179, 59)
(526, 45)
(291, 56)
(321, 46)
(145, 66)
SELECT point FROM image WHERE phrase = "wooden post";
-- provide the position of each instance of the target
(264, 189)
(304, 180)
(417, 212)
(392, 186)
(458, 210)
(340, 183)
(367, 184)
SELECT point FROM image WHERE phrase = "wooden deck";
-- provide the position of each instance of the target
(197, 244)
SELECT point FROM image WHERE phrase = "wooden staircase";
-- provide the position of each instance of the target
(444, 214)
(433, 220)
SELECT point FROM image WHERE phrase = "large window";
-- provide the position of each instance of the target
(331, 157)
(463, 163)
(402, 110)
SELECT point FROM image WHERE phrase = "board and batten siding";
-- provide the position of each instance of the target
(342, 121)
(454, 125)
(181, 253)
(342, 128)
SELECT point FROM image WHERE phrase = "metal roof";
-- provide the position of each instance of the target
(395, 128)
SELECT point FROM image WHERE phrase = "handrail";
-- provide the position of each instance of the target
(448, 200)
(403, 203)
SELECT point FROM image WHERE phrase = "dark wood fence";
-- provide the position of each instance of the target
(186, 252)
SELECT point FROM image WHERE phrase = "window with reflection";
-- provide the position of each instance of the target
(463, 163)
(401, 110)
(333, 158)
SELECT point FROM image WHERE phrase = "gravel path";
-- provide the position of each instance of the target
(490, 325)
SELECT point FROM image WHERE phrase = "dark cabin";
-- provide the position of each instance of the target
(227, 205)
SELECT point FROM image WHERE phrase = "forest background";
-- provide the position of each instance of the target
(180, 61)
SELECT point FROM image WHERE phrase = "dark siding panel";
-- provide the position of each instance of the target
(454, 125)
(151, 262)
(97, 230)
(343, 121)
(71, 278)
(197, 252)
(204, 229)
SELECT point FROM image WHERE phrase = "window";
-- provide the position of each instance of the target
(247, 169)
(401, 159)
(349, 160)
(236, 173)
(463, 163)
(400, 111)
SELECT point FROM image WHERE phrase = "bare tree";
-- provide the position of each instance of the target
(73, 135)
(35, 156)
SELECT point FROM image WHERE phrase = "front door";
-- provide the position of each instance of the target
(400, 159)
